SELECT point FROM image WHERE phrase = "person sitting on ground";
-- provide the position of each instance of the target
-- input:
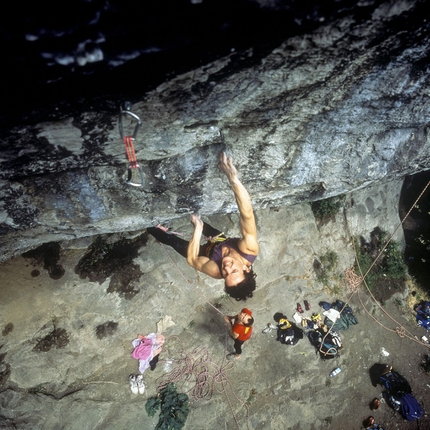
(221, 257)
(240, 328)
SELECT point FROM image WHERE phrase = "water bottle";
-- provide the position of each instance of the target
(335, 372)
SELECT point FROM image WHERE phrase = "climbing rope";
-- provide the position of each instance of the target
(400, 330)
(352, 279)
(203, 373)
(395, 230)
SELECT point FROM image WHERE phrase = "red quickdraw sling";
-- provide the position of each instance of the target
(135, 173)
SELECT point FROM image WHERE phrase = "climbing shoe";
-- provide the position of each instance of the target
(299, 308)
(133, 384)
(375, 404)
(269, 328)
(140, 384)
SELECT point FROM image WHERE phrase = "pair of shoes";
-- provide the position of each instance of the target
(299, 308)
(307, 305)
(137, 384)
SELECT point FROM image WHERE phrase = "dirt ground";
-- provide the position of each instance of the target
(303, 378)
(405, 355)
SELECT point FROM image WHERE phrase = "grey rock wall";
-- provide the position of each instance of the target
(323, 114)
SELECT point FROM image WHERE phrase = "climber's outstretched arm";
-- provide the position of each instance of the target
(248, 243)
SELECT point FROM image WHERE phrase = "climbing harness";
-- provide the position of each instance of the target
(135, 173)
(214, 240)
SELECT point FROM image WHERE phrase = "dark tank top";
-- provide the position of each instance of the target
(232, 243)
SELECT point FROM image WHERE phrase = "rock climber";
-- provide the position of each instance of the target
(221, 257)
(240, 328)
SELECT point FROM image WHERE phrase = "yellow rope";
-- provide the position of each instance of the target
(354, 281)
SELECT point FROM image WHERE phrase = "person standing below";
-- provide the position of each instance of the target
(220, 257)
(240, 328)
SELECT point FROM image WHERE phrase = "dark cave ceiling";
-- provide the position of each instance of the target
(81, 54)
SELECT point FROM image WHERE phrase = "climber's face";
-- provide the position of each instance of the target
(244, 318)
(233, 271)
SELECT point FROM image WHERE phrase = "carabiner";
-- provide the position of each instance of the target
(130, 176)
(133, 115)
(135, 173)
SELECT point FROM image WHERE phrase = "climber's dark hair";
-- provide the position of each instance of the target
(243, 290)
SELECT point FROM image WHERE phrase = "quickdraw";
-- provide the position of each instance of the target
(135, 173)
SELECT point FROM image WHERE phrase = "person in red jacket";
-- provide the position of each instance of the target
(240, 328)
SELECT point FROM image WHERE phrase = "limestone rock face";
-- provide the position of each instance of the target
(323, 114)
(66, 343)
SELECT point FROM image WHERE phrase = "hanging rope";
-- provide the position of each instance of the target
(395, 230)
(400, 330)
(188, 282)
(353, 282)
(353, 279)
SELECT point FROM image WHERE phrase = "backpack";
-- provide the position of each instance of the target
(286, 336)
(325, 305)
(410, 409)
(289, 336)
(423, 316)
(406, 404)
(338, 305)
(394, 382)
(398, 393)
(327, 345)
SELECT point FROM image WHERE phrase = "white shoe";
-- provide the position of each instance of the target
(133, 384)
(269, 328)
(140, 384)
